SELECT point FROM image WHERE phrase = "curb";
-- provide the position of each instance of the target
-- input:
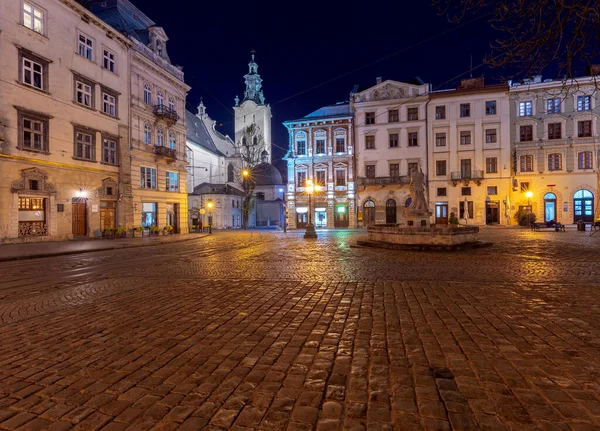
(67, 253)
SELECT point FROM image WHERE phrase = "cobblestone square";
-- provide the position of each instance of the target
(266, 331)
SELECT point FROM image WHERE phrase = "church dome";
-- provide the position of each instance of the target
(265, 174)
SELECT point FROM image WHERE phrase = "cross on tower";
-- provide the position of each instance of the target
(253, 52)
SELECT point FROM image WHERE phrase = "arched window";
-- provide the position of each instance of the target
(230, 178)
(171, 104)
(585, 160)
(147, 94)
(549, 207)
(526, 163)
(555, 162)
(390, 211)
(160, 137)
(172, 140)
(583, 206)
(147, 134)
(255, 141)
(160, 99)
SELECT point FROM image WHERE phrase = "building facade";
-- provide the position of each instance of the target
(469, 154)
(391, 140)
(555, 148)
(63, 121)
(321, 149)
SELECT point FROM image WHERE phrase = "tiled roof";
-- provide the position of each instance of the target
(122, 15)
(197, 132)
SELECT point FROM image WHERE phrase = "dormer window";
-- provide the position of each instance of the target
(159, 48)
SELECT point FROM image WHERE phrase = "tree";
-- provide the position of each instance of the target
(536, 33)
(249, 148)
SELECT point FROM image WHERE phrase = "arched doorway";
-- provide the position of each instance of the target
(583, 204)
(390, 211)
(369, 213)
(550, 207)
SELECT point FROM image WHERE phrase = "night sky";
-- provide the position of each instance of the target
(302, 45)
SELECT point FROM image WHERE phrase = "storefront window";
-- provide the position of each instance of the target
(149, 214)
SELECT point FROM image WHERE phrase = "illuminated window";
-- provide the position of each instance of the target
(33, 17)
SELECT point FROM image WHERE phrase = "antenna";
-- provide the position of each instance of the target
(471, 68)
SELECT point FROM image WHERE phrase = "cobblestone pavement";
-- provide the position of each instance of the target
(270, 331)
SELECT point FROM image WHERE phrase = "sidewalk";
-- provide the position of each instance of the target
(35, 250)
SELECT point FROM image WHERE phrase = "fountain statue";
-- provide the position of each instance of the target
(418, 214)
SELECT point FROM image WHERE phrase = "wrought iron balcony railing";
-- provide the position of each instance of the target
(384, 181)
(165, 152)
(166, 113)
(467, 175)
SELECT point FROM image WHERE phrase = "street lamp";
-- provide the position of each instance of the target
(210, 207)
(310, 188)
(528, 195)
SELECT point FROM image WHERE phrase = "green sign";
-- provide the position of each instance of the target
(341, 209)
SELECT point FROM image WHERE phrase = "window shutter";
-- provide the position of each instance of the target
(570, 159)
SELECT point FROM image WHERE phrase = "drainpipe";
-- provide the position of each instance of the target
(427, 145)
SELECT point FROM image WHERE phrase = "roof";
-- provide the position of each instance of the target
(197, 132)
(216, 189)
(265, 174)
(122, 15)
(331, 111)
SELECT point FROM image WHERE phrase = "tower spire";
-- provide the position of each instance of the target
(253, 83)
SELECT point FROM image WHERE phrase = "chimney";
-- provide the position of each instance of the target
(378, 80)
(466, 84)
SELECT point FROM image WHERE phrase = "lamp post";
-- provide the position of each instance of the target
(210, 207)
(528, 195)
(246, 202)
(310, 188)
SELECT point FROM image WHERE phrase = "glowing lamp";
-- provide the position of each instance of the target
(529, 194)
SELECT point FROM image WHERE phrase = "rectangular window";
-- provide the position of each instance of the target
(109, 152)
(584, 103)
(340, 177)
(440, 167)
(441, 191)
(413, 139)
(412, 114)
(525, 109)
(109, 104)
(301, 145)
(340, 145)
(370, 171)
(526, 163)
(394, 170)
(370, 118)
(585, 160)
(147, 178)
(466, 191)
(554, 162)
(553, 106)
(393, 116)
(84, 94)
(393, 140)
(465, 168)
(491, 165)
(84, 146)
(320, 144)
(526, 133)
(465, 137)
(321, 180)
(554, 130)
(584, 129)
(440, 139)
(413, 166)
(110, 62)
(33, 73)
(86, 47)
(440, 112)
(33, 132)
(524, 186)
(33, 17)
(465, 110)
(490, 136)
(492, 190)
(301, 179)
(370, 142)
(490, 107)
(172, 181)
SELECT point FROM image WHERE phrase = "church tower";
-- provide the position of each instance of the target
(253, 110)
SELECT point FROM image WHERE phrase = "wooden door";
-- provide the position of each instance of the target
(79, 218)
(107, 215)
(492, 212)
(441, 213)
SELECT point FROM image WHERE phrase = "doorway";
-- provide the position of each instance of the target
(390, 211)
(492, 212)
(79, 216)
(107, 215)
(341, 216)
(369, 213)
(301, 220)
(441, 213)
(173, 216)
(550, 207)
(320, 217)
(583, 204)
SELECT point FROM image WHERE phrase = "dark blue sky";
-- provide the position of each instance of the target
(304, 44)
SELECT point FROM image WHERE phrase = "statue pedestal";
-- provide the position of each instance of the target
(418, 219)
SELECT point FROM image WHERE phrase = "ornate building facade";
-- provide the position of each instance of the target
(321, 149)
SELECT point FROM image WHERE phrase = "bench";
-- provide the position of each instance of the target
(548, 225)
(595, 226)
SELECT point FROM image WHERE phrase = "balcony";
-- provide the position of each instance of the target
(166, 152)
(166, 113)
(467, 176)
(384, 181)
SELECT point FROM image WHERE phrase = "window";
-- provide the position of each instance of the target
(553, 106)
(441, 191)
(526, 163)
(465, 168)
(230, 174)
(393, 140)
(584, 129)
(490, 107)
(33, 132)
(554, 162)
(260, 196)
(465, 137)
(171, 104)
(525, 109)
(394, 170)
(160, 137)
(554, 131)
(301, 147)
(440, 112)
(172, 181)
(33, 71)
(147, 178)
(172, 140)
(301, 179)
(413, 139)
(469, 208)
(490, 136)
(109, 152)
(147, 94)
(370, 142)
(440, 167)
(526, 133)
(412, 114)
(320, 177)
(109, 63)
(370, 118)
(33, 17)
(393, 116)
(160, 99)
(491, 165)
(585, 160)
(440, 139)
(86, 47)
(584, 103)
(147, 134)
(370, 171)
(340, 144)
(492, 190)
(465, 110)
(84, 91)
(84, 145)
(320, 144)
(109, 103)
(466, 191)
(413, 166)
(340, 177)
(524, 186)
